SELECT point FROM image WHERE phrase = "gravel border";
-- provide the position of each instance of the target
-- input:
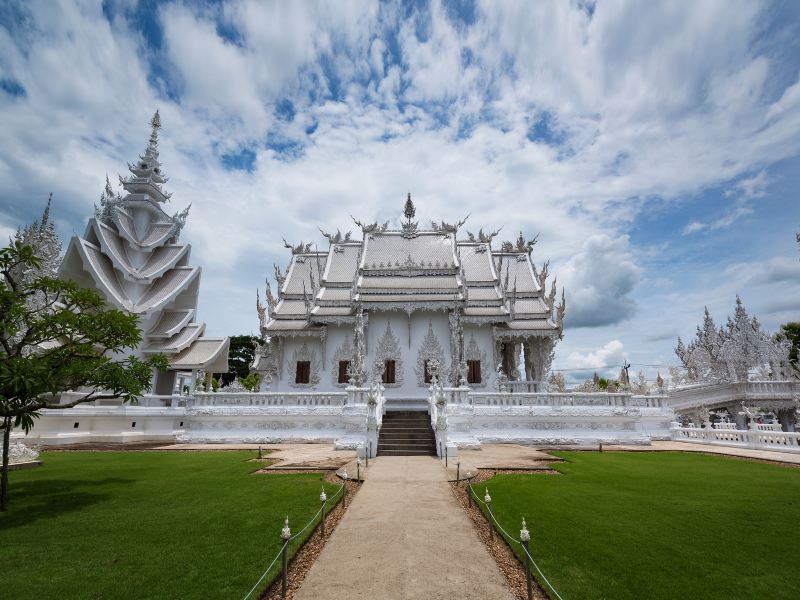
(508, 563)
(307, 554)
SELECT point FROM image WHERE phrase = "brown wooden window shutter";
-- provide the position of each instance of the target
(474, 371)
(303, 372)
(343, 366)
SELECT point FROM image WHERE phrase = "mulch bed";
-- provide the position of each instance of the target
(508, 563)
(308, 553)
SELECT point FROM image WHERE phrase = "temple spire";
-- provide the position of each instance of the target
(155, 123)
(409, 227)
(409, 211)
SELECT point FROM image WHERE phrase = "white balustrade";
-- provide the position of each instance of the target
(269, 399)
(564, 399)
(760, 436)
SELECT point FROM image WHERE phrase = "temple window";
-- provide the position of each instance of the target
(473, 371)
(303, 372)
(344, 365)
(428, 376)
(388, 372)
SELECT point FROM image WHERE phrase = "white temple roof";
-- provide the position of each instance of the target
(158, 262)
(516, 269)
(305, 273)
(477, 261)
(342, 263)
(177, 342)
(208, 354)
(170, 322)
(390, 250)
(411, 269)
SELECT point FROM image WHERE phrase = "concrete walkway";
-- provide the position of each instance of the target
(404, 537)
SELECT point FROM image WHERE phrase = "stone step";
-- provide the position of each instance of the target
(406, 448)
(411, 433)
(406, 453)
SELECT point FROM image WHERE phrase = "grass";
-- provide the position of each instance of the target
(658, 525)
(148, 525)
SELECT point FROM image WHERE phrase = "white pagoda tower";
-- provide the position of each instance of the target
(131, 256)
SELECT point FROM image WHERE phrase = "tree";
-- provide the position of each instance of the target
(240, 357)
(791, 332)
(556, 383)
(55, 337)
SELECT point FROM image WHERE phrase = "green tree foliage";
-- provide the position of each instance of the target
(55, 337)
(250, 382)
(240, 357)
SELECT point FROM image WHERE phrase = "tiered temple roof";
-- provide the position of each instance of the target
(412, 269)
(131, 255)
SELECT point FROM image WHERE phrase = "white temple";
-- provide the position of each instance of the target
(410, 319)
(396, 300)
(130, 255)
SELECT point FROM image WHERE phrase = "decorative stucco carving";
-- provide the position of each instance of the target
(429, 350)
(304, 353)
(389, 349)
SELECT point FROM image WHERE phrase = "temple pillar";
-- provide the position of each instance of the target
(527, 349)
(192, 382)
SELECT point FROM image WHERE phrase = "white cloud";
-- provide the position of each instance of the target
(599, 280)
(607, 357)
(728, 219)
(649, 102)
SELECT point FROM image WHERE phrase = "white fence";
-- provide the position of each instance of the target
(759, 437)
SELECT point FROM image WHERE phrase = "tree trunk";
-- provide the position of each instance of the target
(4, 477)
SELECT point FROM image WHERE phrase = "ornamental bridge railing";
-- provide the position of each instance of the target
(758, 437)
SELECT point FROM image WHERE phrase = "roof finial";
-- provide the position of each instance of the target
(46, 214)
(409, 211)
(155, 123)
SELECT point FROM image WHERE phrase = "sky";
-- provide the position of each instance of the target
(653, 147)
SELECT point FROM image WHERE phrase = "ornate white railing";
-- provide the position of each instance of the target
(269, 399)
(708, 394)
(756, 438)
(565, 399)
(147, 400)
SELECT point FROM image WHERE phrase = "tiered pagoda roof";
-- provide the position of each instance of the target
(412, 269)
(131, 254)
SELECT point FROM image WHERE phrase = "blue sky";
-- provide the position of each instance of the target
(654, 147)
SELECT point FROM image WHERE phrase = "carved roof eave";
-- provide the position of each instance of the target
(128, 272)
(502, 333)
(143, 185)
(482, 320)
(148, 247)
(406, 272)
(407, 307)
(118, 296)
(333, 319)
(292, 333)
(197, 331)
(183, 322)
(216, 359)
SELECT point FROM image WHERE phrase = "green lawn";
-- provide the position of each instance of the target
(147, 525)
(658, 525)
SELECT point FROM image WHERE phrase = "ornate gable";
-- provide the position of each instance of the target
(430, 349)
(389, 349)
